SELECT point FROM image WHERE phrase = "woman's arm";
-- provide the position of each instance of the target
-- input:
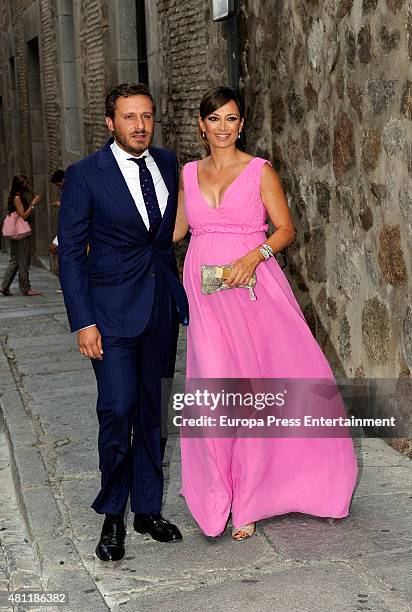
(181, 225)
(274, 200)
(18, 204)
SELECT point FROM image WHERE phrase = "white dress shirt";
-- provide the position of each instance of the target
(130, 172)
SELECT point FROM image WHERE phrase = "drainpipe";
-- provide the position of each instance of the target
(226, 10)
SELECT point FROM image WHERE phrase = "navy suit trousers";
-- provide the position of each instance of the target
(131, 446)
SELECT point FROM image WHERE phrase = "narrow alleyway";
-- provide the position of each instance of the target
(47, 401)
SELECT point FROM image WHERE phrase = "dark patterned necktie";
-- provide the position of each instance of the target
(149, 194)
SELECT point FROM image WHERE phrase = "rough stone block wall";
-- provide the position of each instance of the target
(328, 91)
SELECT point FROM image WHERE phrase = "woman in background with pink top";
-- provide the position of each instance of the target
(225, 200)
(20, 250)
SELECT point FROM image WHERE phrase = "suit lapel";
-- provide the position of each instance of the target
(112, 178)
(168, 174)
(165, 169)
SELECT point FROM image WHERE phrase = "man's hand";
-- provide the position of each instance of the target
(90, 342)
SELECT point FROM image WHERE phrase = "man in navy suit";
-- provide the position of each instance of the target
(124, 299)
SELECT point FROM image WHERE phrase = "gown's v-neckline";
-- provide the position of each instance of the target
(227, 188)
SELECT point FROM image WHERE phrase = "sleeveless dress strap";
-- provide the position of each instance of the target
(260, 163)
(256, 170)
(189, 174)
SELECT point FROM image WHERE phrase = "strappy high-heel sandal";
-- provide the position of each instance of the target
(245, 532)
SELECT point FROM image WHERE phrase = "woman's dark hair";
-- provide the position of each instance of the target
(17, 188)
(212, 100)
(126, 90)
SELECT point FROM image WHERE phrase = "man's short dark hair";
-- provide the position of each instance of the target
(57, 176)
(125, 90)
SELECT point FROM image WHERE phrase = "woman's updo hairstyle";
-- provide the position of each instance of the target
(212, 100)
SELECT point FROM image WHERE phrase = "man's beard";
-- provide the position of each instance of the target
(138, 148)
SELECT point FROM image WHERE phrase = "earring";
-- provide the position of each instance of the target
(204, 134)
(239, 135)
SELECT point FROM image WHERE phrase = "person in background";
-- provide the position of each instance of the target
(20, 250)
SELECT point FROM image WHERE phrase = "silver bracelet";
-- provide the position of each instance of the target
(264, 252)
(268, 248)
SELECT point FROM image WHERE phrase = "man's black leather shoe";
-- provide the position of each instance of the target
(111, 543)
(159, 528)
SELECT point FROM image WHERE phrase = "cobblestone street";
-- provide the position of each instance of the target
(47, 401)
(17, 564)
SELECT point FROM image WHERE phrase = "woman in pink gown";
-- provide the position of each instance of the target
(225, 200)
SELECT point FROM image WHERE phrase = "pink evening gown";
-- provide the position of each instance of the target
(231, 336)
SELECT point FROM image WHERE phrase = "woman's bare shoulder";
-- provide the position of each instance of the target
(270, 179)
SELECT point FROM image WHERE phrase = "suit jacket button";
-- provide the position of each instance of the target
(151, 274)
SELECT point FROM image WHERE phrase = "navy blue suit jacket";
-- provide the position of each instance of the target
(114, 285)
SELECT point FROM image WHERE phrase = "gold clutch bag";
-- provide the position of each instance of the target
(213, 280)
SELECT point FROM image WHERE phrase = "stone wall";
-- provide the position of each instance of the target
(328, 90)
(194, 58)
(13, 46)
(70, 42)
(4, 110)
(23, 102)
(93, 33)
